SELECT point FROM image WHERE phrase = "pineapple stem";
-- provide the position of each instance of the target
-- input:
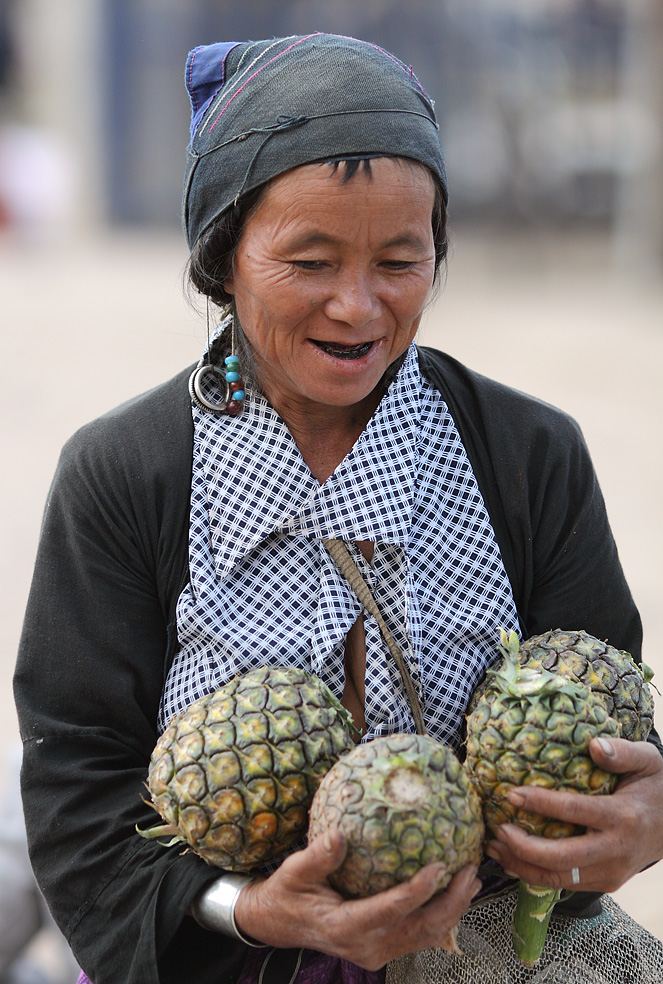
(163, 830)
(530, 920)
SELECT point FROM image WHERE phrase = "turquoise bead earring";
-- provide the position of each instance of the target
(233, 401)
(235, 385)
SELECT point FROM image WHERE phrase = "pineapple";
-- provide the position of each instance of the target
(234, 775)
(604, 669)
(401, 801)
(533, 727)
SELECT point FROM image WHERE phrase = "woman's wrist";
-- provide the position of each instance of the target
(214, 908)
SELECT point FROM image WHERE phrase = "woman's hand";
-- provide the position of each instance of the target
(624, 831)
(296, 906)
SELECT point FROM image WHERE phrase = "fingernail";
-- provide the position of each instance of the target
(326, 842)
(441, 872)
(469, 877)
(516, 798)
(493, 852)
(607, 747)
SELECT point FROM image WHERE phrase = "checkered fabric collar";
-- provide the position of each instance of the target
(370, 495)
(263, 590)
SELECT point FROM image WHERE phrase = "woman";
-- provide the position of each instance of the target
(182, 542)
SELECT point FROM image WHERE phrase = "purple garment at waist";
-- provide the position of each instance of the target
(312, 968)
(304, 967)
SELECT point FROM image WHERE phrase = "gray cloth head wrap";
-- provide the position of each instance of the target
(260, 108)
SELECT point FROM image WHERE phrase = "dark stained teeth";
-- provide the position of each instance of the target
(344, 351)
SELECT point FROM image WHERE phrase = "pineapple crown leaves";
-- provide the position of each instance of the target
(165, 830)
(343, 712)
(161, 830)
(645, 672)
(527, 683)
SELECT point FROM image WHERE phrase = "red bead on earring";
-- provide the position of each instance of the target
(235, 404)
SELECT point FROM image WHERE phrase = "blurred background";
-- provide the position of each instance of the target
(550, 114)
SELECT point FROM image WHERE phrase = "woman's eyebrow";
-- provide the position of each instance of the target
(408, 240)
(324, 239)
(312, 239)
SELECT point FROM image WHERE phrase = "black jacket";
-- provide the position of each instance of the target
(100, 632)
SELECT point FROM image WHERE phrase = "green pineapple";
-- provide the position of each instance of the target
(533, 727)
(234, 775)
(604, 669)
(579, 656)
(401, 801)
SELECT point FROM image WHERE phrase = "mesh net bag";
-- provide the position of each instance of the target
(611, 948)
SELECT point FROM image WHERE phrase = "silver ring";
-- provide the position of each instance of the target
(195, 392)
(575, 876)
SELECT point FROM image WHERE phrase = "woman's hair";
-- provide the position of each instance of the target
(211, 261)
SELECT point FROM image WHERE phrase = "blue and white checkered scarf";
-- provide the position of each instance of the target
(263, 589)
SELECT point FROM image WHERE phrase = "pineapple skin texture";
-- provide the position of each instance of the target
(518, 742)
(577, 655)
(236, 772)
(401, 801)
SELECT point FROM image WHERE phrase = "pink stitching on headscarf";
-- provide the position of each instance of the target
(258, 71)
(376, 47)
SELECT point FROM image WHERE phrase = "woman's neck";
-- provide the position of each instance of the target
(325, 435)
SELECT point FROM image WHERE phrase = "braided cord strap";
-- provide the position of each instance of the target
(338, 551)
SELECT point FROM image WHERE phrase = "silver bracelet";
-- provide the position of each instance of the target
(214, 908)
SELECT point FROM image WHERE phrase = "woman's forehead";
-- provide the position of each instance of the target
(328, 183)
(315, 205)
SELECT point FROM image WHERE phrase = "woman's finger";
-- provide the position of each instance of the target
(606, 876)
(396, 904)
(297, 906)
(319, 859)
(393, 922)
(639, 758)
(518, 852)
(593, 812)
(633, 761)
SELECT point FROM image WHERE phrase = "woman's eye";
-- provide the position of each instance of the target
(309, 264)
(397, 264)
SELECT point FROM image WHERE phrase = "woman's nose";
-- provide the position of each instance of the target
(354, 301)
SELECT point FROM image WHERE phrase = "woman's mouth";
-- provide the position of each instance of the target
(339, 351)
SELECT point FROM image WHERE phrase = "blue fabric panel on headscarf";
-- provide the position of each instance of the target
(205, 74)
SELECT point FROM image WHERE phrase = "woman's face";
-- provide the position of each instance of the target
(330, 279)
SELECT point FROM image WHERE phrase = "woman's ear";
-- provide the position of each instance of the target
(229, 282)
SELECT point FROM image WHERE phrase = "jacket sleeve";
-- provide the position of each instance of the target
(87, 684)
(572, 576)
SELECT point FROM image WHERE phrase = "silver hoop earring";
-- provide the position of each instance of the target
(233, 400)
(195, 389)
